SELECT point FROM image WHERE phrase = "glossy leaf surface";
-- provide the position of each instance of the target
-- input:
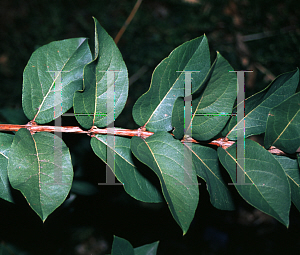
(147, 249)
(53, 73)
(258, 106)
(90, 104)
(121, 246)
(283, 125)
(135, 184)
(270, 190)
(44, 176)
(154, 108)
(5, 143)
(178, 118)
(165, 156)
(206, 165)
(291, 168)
(211, 106)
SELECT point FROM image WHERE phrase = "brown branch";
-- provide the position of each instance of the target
(33, 127)
(141, 132)
(127, 22)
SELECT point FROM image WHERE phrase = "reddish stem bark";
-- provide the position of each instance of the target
(141, 132)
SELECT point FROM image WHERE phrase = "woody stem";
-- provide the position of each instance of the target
(32, 127)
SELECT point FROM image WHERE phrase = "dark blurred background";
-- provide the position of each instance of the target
(262, 36)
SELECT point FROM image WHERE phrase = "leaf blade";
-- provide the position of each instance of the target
(147, 249)
(165, 156)
(44, 96)
(258, 106)
(212, 108)
(291, 169)
(154, 108)
(135, 184)
(5, 144)
(283, 125)
(121, 247)
(264, 171)
(33, 169)
(90, 104)
(206, 163)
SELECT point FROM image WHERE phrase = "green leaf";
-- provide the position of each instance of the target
(231, 122)
(40, 167)
(46, 97)
(135, 184)
(106, 70)
(165, 156)
(5, 143)
(211, 106)
(121, 246)
(206, 163)
(218, 99)
(154, 108)
(178, 118)
(283, 125)
(290, 166)
(258, 106)
(148, 249)
(270, 191)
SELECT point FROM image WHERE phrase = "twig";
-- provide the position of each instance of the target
(127, 22)
(267, 34)
(265, 71)
(141, 132)
(32, 127)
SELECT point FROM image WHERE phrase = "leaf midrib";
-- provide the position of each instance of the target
(55, 78)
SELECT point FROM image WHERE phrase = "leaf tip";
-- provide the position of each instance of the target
(287, 223)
